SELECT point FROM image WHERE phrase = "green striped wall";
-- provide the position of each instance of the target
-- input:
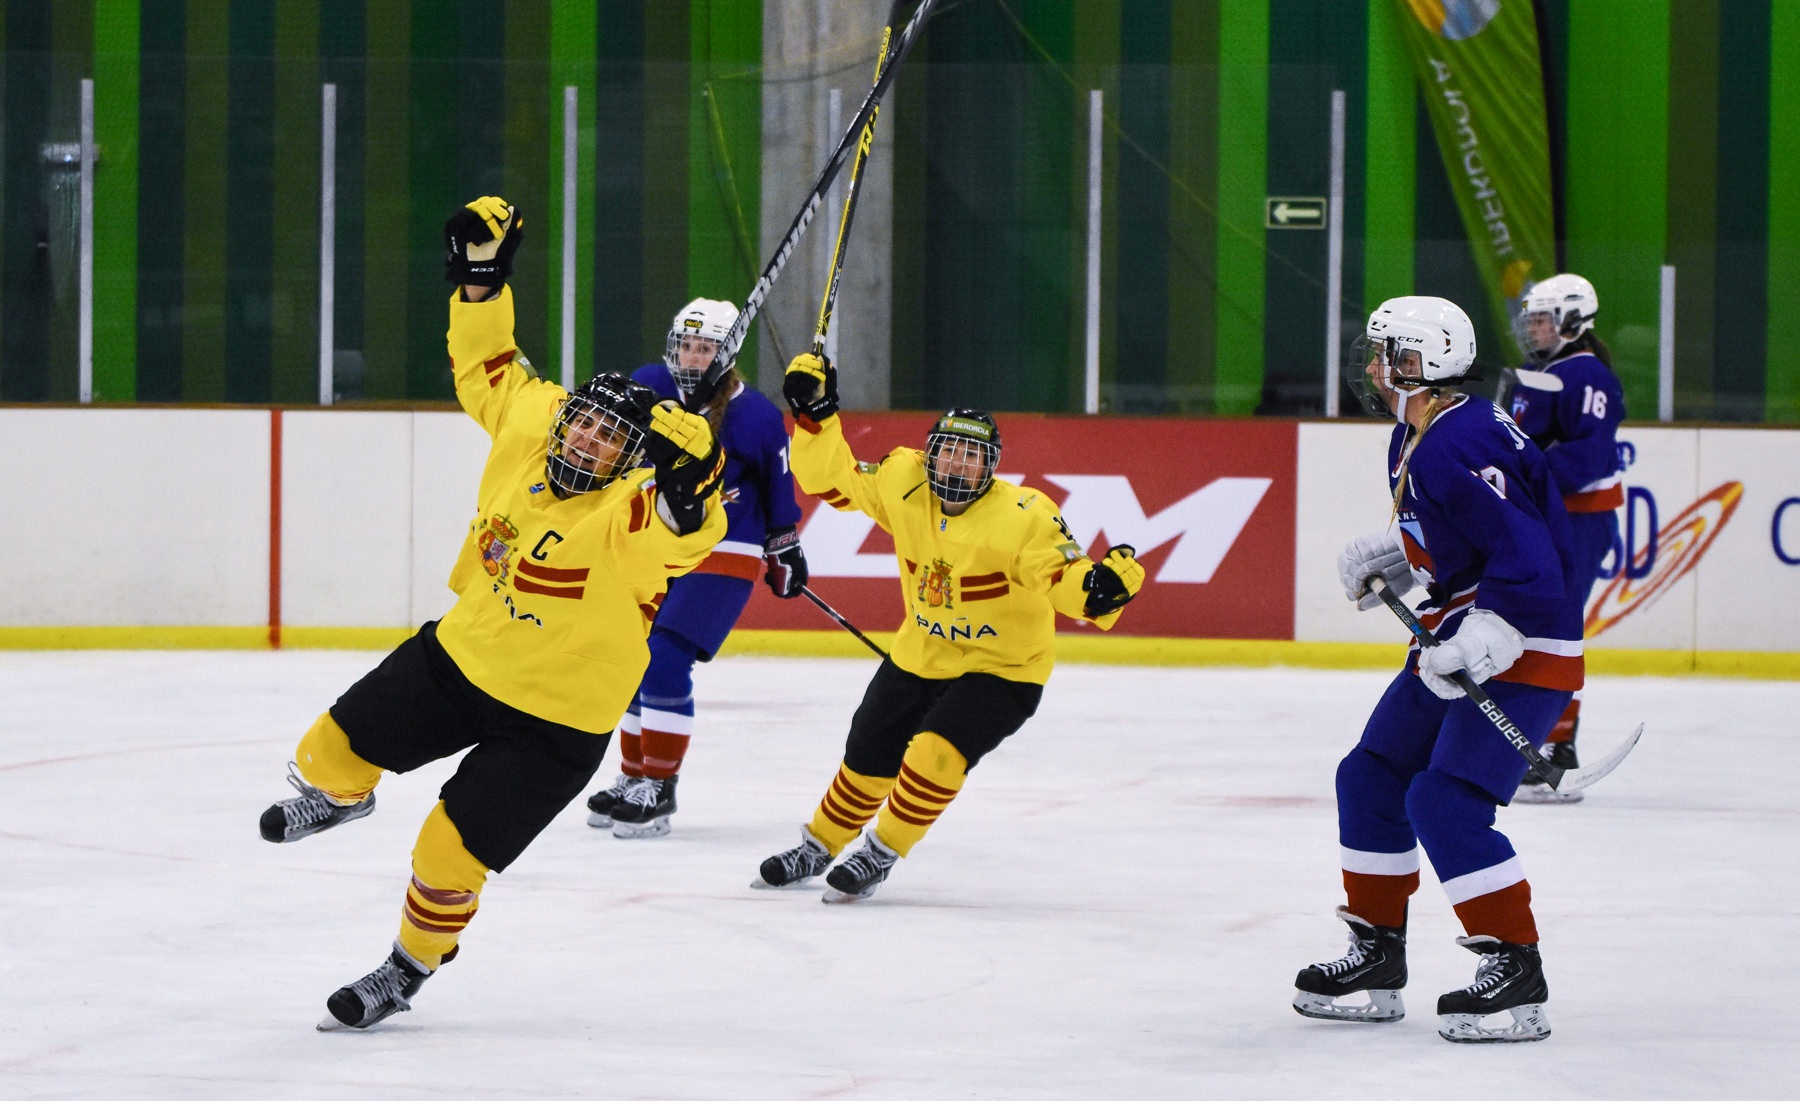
(208, 120)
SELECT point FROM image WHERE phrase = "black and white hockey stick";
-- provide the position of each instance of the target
(841, 621)
(864, 143)
(1552, 774)
(1587, 776)
(847, 145)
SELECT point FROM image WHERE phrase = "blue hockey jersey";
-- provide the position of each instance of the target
(758, 488)
(1483, 525)
(1571, 409)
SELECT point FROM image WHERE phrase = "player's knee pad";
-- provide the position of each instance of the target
(327, 762)
(931, 756)
(1365, 778)
(931, 774)
(441, 859)
(1441, 805)
(670, 675)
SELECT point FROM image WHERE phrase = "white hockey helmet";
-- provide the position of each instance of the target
(694, 337)
(1567, 302)
(1410, 345)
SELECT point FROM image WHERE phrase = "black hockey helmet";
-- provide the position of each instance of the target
(598, 434)
(959, 433)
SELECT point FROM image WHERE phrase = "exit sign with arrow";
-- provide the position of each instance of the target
(1291, 212)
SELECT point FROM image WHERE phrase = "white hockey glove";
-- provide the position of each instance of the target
(1377, 553)
(1485, 645)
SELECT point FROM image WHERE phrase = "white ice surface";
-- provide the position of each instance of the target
(1115, 907)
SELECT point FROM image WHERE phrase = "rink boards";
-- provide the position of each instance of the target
(235, 526)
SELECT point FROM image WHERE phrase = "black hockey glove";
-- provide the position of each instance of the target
(810, 387)
(786, 573)
(1113, 581)
(689, 463)
(479, 242)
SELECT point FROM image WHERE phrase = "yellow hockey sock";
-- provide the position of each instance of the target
(849, 803)
(931, 774)
(327, 762)
(444, 892)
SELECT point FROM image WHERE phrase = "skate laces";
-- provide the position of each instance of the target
(642, 792)
(1488, 973)
(871, 860)
(804, 859)
(1356, 957)
(310, 806)
(381, 986)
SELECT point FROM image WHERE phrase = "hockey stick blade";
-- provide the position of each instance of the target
(734, 337)
(1583, 778)
(1552, 774)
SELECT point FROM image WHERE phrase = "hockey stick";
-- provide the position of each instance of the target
(1552, 774)
(1583, 778)
(734, 337)
(864, 144)
(841, 621)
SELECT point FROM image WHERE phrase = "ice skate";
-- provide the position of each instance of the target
(794, 866)
(856, 878)
(1509, 979)
(380, 994)
(600, 804)
(309, 812)
(1532, 788)
(1376, 964)
(644, 809)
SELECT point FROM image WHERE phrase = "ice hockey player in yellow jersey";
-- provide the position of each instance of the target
(984, 566)
(572, 546)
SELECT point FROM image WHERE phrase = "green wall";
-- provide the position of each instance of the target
(206, 198)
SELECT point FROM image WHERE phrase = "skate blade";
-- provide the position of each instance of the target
(1382, 1006)
(600, 821)
(833, 895)
(1529, 1022)
(1545, 795)
(633, 831)
(762, 884)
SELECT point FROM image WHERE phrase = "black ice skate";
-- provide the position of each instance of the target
(1509, 978)
(1532, 788)
(380, 994)
(1376, 963)
(644, 809)
(309, 812)
(796, 865)
(856, 878)
(600, 804)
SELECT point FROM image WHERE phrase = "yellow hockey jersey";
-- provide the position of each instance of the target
(554, 597)
(981, 589)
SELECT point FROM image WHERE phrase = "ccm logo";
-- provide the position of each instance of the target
(1202, 526)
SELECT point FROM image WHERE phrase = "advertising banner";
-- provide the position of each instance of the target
(1208, 504)
(1478, 69)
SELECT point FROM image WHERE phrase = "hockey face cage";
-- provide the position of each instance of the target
(961, 439)
(598, 434)
(682, 368)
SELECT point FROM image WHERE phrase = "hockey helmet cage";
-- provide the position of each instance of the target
(962, 434)
(598, 434)
(699, 322)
